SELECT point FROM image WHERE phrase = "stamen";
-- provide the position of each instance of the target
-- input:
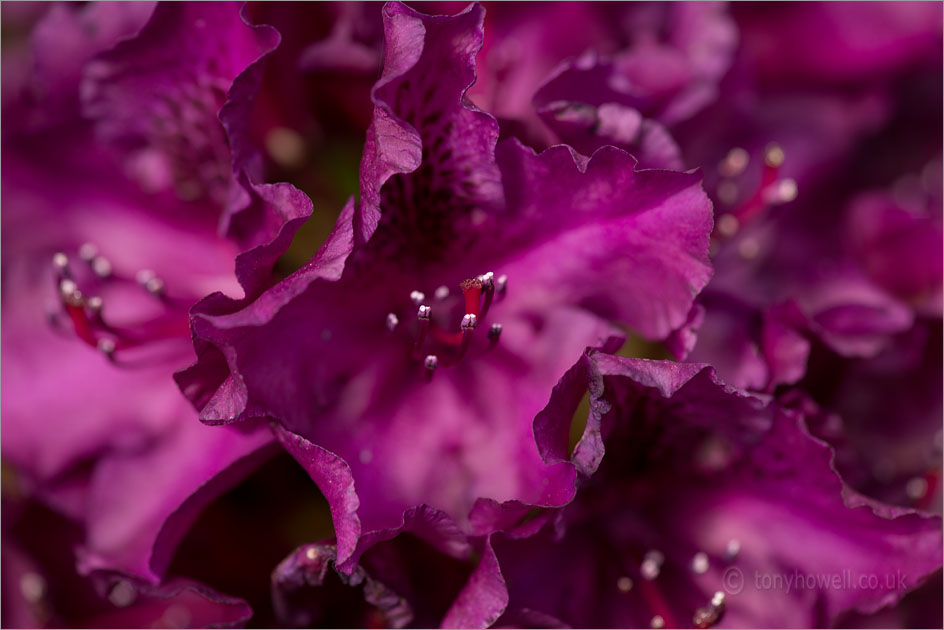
(469, 322)
(33, 587)
(774, 155)
(488, 287)
(88, 252)
(700, 563)
(494, 334)
(734, 162)
(107, 347)
(154, 286)
(727, 225)
(501, 285)
(657, 622)
(423, 314)
(417, 297)
(60, 263)
(441, 293)
(143, 276)
(709, 616)
(652, 564)
(392, 321)
(101, 267)
(70, 292)
(430, 363)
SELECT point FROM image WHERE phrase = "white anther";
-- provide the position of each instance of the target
(787, 190)
(624, 584)
(69, 290)
(441, 293)
(122, 594)
(431, 362)
(60, 261)
(95, 304)
(700, 563)
(392, 321)
(154, 286)
(727, 225)
(916, 488)
(733, 549)
(494, 331)
(718, 599)
(106, 347)
(88, 252)
(417, 297)
(652, 564)
(311, 553)
(33, 587)
(469, 321)
(734, 162)
(143, 276)
(101, 267)
(488, 281)
(657, 622)
(423, 312)
(649, 570)
(749, 248)
(501, 284)
(774, 155)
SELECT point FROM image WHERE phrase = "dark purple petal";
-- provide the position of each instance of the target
(333, 476)
(426, 132)
(484, 597)
(308, 591)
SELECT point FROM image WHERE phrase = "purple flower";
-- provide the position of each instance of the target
(703, 506)
(406, 369)
(110, 228)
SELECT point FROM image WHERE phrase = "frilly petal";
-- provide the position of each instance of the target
(644, 234)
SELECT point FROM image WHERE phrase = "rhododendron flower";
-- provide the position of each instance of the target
(418, 344)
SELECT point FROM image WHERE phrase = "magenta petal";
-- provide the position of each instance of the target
(141, 504)
(484, 597)
(642, 234)
(158, 95)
